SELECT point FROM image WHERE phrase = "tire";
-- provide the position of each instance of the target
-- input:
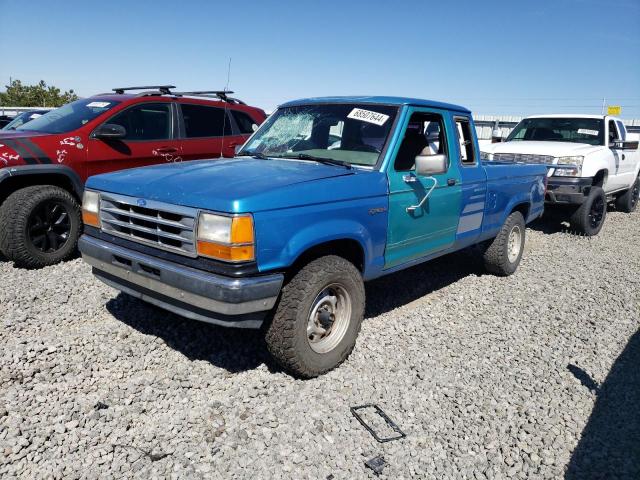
(40, 226)
(628, 201)
(308, 353)
(504, 253)
(589, 217)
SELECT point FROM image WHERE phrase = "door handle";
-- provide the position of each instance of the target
(451, 182)
(167, 150)
(623, 156)
(413, 208)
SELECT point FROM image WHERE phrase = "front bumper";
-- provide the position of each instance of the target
(231, 302)
(568, 190)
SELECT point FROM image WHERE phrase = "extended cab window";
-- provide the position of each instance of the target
(147, 121)
(203, 121)
(245, 123)
(424, 135)
(465, 139)
(613, 132)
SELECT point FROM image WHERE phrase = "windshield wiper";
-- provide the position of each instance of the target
(326, 161)
(258, 155)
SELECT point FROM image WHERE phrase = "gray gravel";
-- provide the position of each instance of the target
(531, 376)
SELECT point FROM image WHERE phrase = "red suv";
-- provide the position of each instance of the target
(44, 163)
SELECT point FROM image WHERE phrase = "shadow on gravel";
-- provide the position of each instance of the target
(237, 350)
(555, 220)
(609, 446)
(398, 289)
(234, 350)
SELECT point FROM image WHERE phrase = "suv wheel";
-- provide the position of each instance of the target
(318, 317)
(589, 217)
(41, 225)
(628, 201)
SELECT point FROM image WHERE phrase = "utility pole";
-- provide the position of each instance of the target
(604, 101)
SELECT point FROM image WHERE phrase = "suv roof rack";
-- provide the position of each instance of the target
(221, 94)
(161, 89)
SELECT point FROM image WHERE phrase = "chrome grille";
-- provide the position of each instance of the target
(162, 225)
(523, 158)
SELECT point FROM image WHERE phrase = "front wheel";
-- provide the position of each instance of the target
(589, 218)
(628, 201)
(504, 253)
(318, 317)
(40, 226)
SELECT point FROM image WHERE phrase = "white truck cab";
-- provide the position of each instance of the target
(598, 162)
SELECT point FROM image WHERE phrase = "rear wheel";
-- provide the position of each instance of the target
(41, 225)
(318, 317)
(589, 218)
(504, 253)
(628, 201)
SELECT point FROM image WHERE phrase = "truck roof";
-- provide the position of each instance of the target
(379, 100)
(572, 115)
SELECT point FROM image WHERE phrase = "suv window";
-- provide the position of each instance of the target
(622, 130)
(147, 121)
(246, 124)
(465, 139)
(613, 132)
(203, 121)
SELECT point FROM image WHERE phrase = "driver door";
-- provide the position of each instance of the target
(150, 139)
(422, 232)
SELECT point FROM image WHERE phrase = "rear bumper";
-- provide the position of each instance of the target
(232, 302)
(568, 190)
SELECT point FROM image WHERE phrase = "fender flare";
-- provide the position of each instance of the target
(26, 170)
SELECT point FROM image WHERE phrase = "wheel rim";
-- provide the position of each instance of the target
(49, 227)
(596, 213)
(329, 318)
(514, 243)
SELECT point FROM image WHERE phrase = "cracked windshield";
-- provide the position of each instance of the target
(330, 133)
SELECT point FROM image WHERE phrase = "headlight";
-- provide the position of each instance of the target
(226, 238)
(486, 156)
(576, 161)
(91, 208)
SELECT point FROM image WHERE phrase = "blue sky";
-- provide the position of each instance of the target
(495, 57)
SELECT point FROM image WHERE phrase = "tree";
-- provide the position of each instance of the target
(40, 95)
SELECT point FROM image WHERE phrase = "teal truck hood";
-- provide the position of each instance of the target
(241, 184)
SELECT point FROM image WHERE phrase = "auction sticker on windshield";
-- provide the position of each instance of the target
(98, 104)
(368, 116)
(586, 131)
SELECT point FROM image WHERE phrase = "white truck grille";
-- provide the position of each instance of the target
(523, 158)
(161, 225)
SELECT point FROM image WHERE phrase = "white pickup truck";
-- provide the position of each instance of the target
(598, 162)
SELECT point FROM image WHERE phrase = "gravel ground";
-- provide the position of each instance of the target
(531, 376)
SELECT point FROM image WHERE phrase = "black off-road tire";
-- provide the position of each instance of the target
(16, 214)
(496, 257)
(628, 201)
(286, 335)
(589, 217)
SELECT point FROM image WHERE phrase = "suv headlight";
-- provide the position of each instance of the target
(228, 238)
(576, 161)
(91, 208)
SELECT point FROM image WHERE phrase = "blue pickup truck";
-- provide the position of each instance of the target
(327, 194)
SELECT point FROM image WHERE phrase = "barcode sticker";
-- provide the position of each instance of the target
(368, 116)
(586, 131)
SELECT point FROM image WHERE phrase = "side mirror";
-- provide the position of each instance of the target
(632, 145)
(427, 165)
(110, 131)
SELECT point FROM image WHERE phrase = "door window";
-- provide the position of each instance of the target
(147, 121)
(245, 123)
(613, 132)
(424, 135)
(465, 139)
(203, 121)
